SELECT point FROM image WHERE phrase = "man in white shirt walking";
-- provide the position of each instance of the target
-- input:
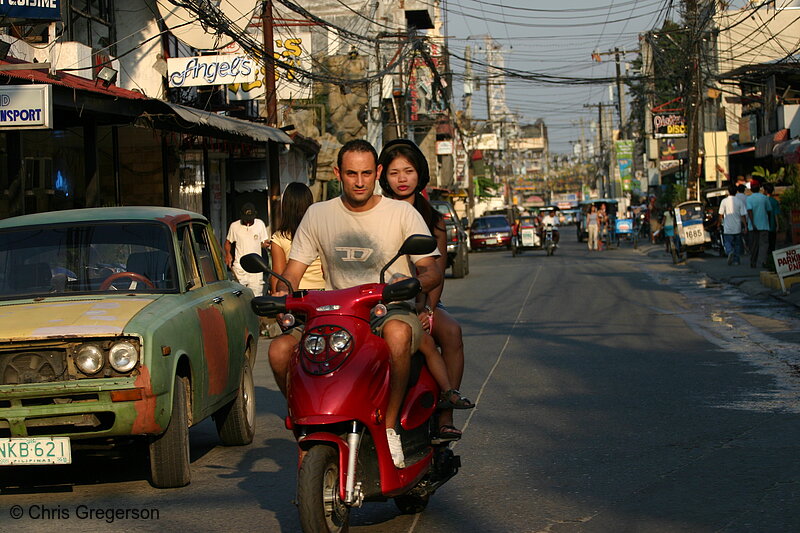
(734, 221)
(249, 234)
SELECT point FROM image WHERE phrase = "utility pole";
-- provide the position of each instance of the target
(620, 98)
(695, 92)
(600, 155)
(616, 52)
(271, 101)
(468, 88)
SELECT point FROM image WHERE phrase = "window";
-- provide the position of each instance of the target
(205, 255)
(187, 258)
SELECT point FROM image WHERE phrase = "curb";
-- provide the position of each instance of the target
(752, 285)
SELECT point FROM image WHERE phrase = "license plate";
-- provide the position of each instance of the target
(694, 235)
(35, 451)
(491, 241)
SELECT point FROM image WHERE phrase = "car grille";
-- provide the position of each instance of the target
(40, 366)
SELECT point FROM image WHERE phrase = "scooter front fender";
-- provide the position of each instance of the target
(326, 438)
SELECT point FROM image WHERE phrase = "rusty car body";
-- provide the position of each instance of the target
(120, 322)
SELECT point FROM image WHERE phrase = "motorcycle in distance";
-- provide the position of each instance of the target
(549, 239)
(338, 392)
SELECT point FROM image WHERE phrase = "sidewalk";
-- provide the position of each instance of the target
(742, 276)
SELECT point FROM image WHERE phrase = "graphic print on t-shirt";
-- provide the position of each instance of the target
(355, 252)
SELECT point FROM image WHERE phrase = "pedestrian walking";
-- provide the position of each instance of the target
(734, 222)
(248, 235)
(593, 227)
(769, 191)
(668, 223)
(758, 210)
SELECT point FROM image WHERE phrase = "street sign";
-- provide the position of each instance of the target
(26, 107)
(787, 263)
(223, 69)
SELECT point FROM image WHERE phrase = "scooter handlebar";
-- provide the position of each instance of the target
(268, 305)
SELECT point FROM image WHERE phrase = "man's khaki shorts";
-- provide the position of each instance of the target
(404, 313)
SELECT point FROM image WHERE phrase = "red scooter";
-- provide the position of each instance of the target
(338, 391)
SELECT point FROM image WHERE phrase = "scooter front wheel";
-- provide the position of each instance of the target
(321, 509)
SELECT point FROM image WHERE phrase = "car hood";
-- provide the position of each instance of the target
(69, 318)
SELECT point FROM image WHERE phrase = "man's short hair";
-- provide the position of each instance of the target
(356, 145)
(755, 185)
(740, 188)
(770, 188)
(732, 189)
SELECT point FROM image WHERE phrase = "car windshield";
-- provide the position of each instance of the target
(86, 258)
(490, 223)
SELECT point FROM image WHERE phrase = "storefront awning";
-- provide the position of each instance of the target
(230, 125)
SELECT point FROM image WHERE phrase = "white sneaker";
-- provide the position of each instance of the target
(395, 448)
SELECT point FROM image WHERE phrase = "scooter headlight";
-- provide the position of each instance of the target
(314, 344)
(340, 341)
(325, 348)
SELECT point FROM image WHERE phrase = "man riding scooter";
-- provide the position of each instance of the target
(550, 221)
(354, 236)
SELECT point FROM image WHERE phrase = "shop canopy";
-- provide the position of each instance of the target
(76, 98)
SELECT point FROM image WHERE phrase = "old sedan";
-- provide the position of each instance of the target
(490, 231)
(119, 322)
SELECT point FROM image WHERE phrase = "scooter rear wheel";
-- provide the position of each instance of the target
(318, 500)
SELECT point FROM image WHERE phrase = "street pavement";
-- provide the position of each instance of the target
(615, 390)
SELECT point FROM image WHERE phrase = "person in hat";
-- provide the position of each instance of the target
(249, 235)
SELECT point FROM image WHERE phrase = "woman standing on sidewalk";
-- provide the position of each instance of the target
(593, 227)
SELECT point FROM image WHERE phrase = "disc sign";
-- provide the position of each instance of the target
(15, 11)
(26, 107)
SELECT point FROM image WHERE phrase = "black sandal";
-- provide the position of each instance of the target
(448, 433)
(446, 401)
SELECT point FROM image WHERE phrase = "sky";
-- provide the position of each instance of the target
(553, 39)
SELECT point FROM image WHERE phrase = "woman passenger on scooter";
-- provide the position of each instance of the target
(405, 174)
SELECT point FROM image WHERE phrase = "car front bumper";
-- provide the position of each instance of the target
(83, 409)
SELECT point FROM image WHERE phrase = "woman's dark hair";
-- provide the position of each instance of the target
(408, 150)
(296, 200)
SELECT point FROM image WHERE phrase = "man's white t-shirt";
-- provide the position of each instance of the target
(732, 212)
(354, 246)
(548, 220)
(248, 239)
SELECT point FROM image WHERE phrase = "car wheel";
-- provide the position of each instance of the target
(169, 452)
(236, 422)
(459, 270)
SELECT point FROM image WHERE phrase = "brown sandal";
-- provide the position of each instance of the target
(447, 402)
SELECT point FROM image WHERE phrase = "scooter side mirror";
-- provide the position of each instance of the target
(268, 305)
(401, 290)
(254, 263)
(413, 245)
(418, 245)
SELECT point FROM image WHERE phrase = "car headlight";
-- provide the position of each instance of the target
(89, 359)
(123, 356)
(340, 341)
(314, 344)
